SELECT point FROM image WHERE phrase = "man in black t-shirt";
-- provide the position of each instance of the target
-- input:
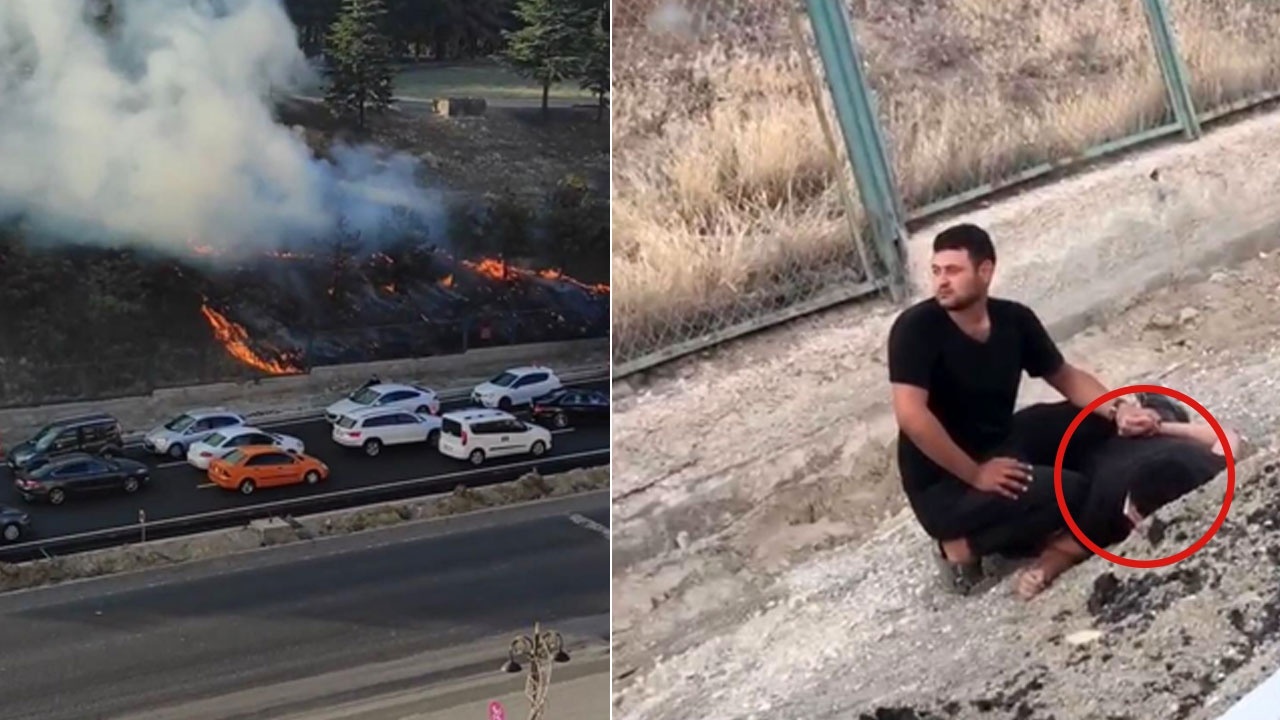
(955, 363)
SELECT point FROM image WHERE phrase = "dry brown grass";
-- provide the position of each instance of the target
(724, 188)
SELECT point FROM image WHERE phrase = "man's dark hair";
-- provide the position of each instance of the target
(968, 237)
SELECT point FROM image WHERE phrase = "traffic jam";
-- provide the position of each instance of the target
(85, 455)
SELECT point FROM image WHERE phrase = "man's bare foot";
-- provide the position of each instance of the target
(1030, 581)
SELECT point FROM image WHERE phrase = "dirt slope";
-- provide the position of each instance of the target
(762, 591)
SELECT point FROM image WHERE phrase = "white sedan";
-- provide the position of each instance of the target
(386, 396)
(220, 444)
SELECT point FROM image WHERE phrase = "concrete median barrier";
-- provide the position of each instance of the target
(284, 530)
(302, 394)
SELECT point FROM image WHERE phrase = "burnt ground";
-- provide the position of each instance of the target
(84, 322)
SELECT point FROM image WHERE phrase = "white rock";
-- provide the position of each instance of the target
(1083, 637)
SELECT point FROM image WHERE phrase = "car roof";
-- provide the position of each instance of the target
(476, 414)
(526, 369)
(62, 460)
(368, 412)
(207, 411)
(251, 450)
(237, 430)
(86, 419)
(393, 387)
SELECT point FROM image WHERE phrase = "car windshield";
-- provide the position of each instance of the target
(180, 423)
(46, 436)
(234, 457)
(215, 439)
(367, 396)
(504, 380)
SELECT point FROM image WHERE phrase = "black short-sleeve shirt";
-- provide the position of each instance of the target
(972, 385)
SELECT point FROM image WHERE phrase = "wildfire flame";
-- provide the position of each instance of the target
(236, 340)
(446, 281)
(499, 270)
(389, 288)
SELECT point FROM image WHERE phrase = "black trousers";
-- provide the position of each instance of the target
(993, 524)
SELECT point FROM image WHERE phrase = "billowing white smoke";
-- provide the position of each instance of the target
(161, 131)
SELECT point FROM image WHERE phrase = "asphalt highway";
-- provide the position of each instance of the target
(233, 638)
(178, 490)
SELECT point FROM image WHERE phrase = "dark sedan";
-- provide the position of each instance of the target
(570, 406)
(13, 523)
(81, 474)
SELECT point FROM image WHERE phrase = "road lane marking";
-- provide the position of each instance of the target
(563, 431)
(202, 486)
(175, 463)
(589, 524)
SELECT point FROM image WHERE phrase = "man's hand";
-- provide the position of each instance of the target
(1136, 421)
(1003, 476)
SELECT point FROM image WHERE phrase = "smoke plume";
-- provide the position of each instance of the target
(159, 130)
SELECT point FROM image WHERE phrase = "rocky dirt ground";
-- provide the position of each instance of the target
(737, 595)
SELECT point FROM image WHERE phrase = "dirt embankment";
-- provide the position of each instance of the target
(866, 633)
(791, 456)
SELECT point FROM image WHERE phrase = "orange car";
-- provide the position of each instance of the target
(249, 468)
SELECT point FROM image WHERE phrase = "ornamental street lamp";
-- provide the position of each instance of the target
(540, 651)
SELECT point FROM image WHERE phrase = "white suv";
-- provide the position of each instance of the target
(516, 386)
(478, 434)
(372, 428)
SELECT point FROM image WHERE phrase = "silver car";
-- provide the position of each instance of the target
(176, 436)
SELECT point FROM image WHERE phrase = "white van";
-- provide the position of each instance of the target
(477, 434)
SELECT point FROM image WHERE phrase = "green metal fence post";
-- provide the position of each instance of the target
(1171, 66)
(860, 126)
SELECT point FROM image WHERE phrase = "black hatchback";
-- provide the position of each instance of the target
(80, 474)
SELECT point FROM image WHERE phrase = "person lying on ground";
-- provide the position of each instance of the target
(1131, 478)
(955, 364)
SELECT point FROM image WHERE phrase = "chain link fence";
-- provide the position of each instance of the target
(1232, 52)
(732, 200)
(975, 95)
(733, 207)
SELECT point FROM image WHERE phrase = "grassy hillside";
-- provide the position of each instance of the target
(725, 194)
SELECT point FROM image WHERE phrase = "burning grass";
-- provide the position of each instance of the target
(724, 186)
(389, 308)
(92, 323)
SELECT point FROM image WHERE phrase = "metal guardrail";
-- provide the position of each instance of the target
(336, 500)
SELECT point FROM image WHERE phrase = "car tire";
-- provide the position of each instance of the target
(177, 452)
(504, 404)
(12, 532)
(538, 448)
(433, 439)
(57, 496)
(372, 447)
(312, 477)
(423, 410)
(476, 457)
(560, 421)
(247, 487)
(109, 452)
(131, 485)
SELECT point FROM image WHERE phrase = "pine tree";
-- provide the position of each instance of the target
(595, 73)
(359, 55)
(548, 48)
